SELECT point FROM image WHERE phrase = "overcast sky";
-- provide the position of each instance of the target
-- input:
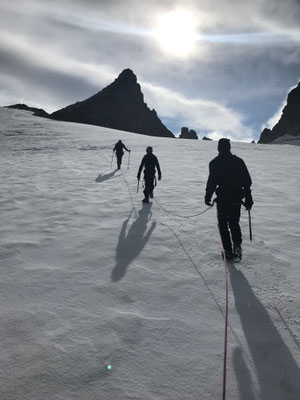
(222, 68)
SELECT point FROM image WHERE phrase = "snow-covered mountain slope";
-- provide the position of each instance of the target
(90, 277)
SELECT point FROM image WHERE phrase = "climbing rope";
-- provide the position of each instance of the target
(226, 317)
(226, 329)
(181, 216)
(129, 191)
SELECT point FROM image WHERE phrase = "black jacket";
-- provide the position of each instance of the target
(228, 177)
(150, 162)
(119, 146)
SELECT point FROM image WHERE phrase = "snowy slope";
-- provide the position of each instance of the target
(91, 278)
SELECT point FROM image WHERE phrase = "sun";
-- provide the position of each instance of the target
(176, 32)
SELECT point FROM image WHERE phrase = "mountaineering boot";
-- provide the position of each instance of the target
(228, 255)
(145, 200)
(237, 252)
(151, 195)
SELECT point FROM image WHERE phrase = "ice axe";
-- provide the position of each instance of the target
(250, 225)
(249, 219)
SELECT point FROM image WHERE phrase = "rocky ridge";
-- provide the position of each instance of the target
(289, 123)
(188, 134)
(39, 112)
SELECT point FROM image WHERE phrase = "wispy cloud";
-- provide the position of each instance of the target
(24, 60)
(51, 58)
(251, 37)
(206, 117)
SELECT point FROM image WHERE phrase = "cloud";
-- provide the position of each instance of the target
(30, 69)
(51, 59)
(204, 116)
(271, 122)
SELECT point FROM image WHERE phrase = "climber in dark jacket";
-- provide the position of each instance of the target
(119, 146)
(230, 179)
(149, 163)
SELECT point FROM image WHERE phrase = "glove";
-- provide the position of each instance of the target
(248, 202)
(159, 177)
(208, 201)
(129, 151)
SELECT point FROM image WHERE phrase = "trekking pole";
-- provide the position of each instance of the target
(112, 156)
(250, 226)
(138, 184)
(128, 163)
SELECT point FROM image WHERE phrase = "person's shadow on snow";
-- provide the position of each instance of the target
(131, 244)
(276, 369)
(243, 375)
(105, 177)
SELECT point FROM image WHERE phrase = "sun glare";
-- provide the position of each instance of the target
(176, 32)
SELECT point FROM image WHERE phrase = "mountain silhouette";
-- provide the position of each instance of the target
(289, 123)
(120, 106)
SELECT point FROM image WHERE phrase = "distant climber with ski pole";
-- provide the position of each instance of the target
(119, 146)
(230, 179)
(150, 164)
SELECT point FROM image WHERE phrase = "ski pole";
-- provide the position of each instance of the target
(138, 184)
(250, 226)
(112, 156)
(128, 163)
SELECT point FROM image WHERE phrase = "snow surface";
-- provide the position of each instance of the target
(90, 277)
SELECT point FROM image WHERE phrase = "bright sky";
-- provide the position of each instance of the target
(222, 68)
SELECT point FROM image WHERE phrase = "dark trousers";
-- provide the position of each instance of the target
(119, 159)
(228, 220)
(149, 185)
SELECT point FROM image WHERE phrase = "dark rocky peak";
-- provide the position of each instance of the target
(289, 123)
(186, 134)
(120, 105)
(127, 77)
(126, 81)
(294, 97)
(125, 85)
